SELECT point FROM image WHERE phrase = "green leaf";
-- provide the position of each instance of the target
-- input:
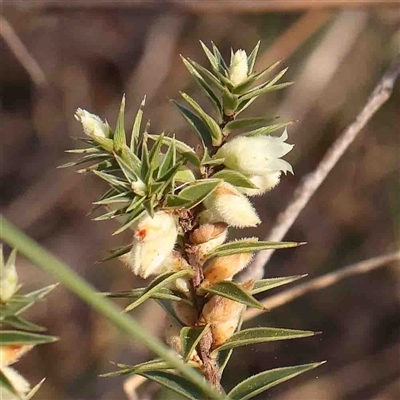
(106, 143)
(266, 130)
(222, 67)
(154, 159)
(126, 169)
(271, 283)
(211, 57)
(17, 337)
(184, 175)
(234, 178)
(251, 59)
(267, 379)
(212, 126)
(244, 104)
(21, 323)
(204, 86)
(182, 148)
(111, 179)
(233, 291)
(190, 338)
(119, 135)
(8, 386)
(115, 199)
(210, 78)
(244, 246)
(196, 123)
(136, 126)
(144, 157)
(176, 383)
(260, 335)
(244, 86)
(87, 158)
(34, 390)
(133, 217)
(247, 123)
(163, 293)
(153, 365)
(198, 191)
(158, 283)
(116, 253)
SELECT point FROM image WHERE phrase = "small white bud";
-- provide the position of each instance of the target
(92, 125)
(139, 187)
(153, 241)
(228, 205)
(8, 279)
(256, 155)
(19, 384)
(238, 68)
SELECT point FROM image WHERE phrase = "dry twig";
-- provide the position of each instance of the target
(322, 282)
(313, 181)
(21, 53)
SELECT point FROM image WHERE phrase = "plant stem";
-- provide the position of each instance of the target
(86, 292)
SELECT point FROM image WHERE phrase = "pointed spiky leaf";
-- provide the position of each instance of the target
(244, 246)
(163, 293)
(267, 284)
(153, 365)
(9, 338)
(190, 338)
(260, 335)
(266, 130)
(134, 216)
(251, 59)
(234, 291)
(158, 283)
(34, 390)
(119, 135)
(259, 383)
(247, 124)
(234, 178)
(22, 324)
(136, 126)
(212, 126)
(116, 253)
(208, 76)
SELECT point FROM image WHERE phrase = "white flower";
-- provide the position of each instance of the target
(264, 183)
(227, 204)
(238, 68)
(8, 281)
(19, 383)
(256, 155)
(153, 241)
(92, 124)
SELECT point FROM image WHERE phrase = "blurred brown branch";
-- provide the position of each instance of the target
(313, 181)
(205, 6)
(21, 53)
(322, 282)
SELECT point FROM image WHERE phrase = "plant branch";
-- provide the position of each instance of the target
(313, 181)
(21, 53)
(322, 282)
(75, 283)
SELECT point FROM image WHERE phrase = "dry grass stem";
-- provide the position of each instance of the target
(322, 282)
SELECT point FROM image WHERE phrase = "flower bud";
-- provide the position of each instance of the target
(186, 313)
(20, 385)
(139, 187)
(92, 125)
(153, 241)
(238, 68)
(8, 279)
(256, 155)
(224, 268)
(228, 205)
(12, 353)
(208, 237)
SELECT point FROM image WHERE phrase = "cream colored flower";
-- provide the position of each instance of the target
(92, 125)
(256, 155)
(227, 204)
(238, 68)
(264, 183)
(153, 241)
(8, 281)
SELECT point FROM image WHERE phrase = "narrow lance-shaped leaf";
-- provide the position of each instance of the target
(213, 127)
(176, 383)
(159, 282)
(8, 386)
(267, 379)
(244, 246)
(153, 365)
(271, 283)
(251, 59)
(222, 67)
(119, 135)
(196, 123)
(248, 123)
(34, 390)
(136, 126)
(133, 217)
(234, 178)
(208, 76)
(259, 335)
(18, 337)
(22, 324)
(266, 130)
(234, 291)
(190, 338)
(163, 293)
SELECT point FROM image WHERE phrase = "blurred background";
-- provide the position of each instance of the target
(57, 56)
